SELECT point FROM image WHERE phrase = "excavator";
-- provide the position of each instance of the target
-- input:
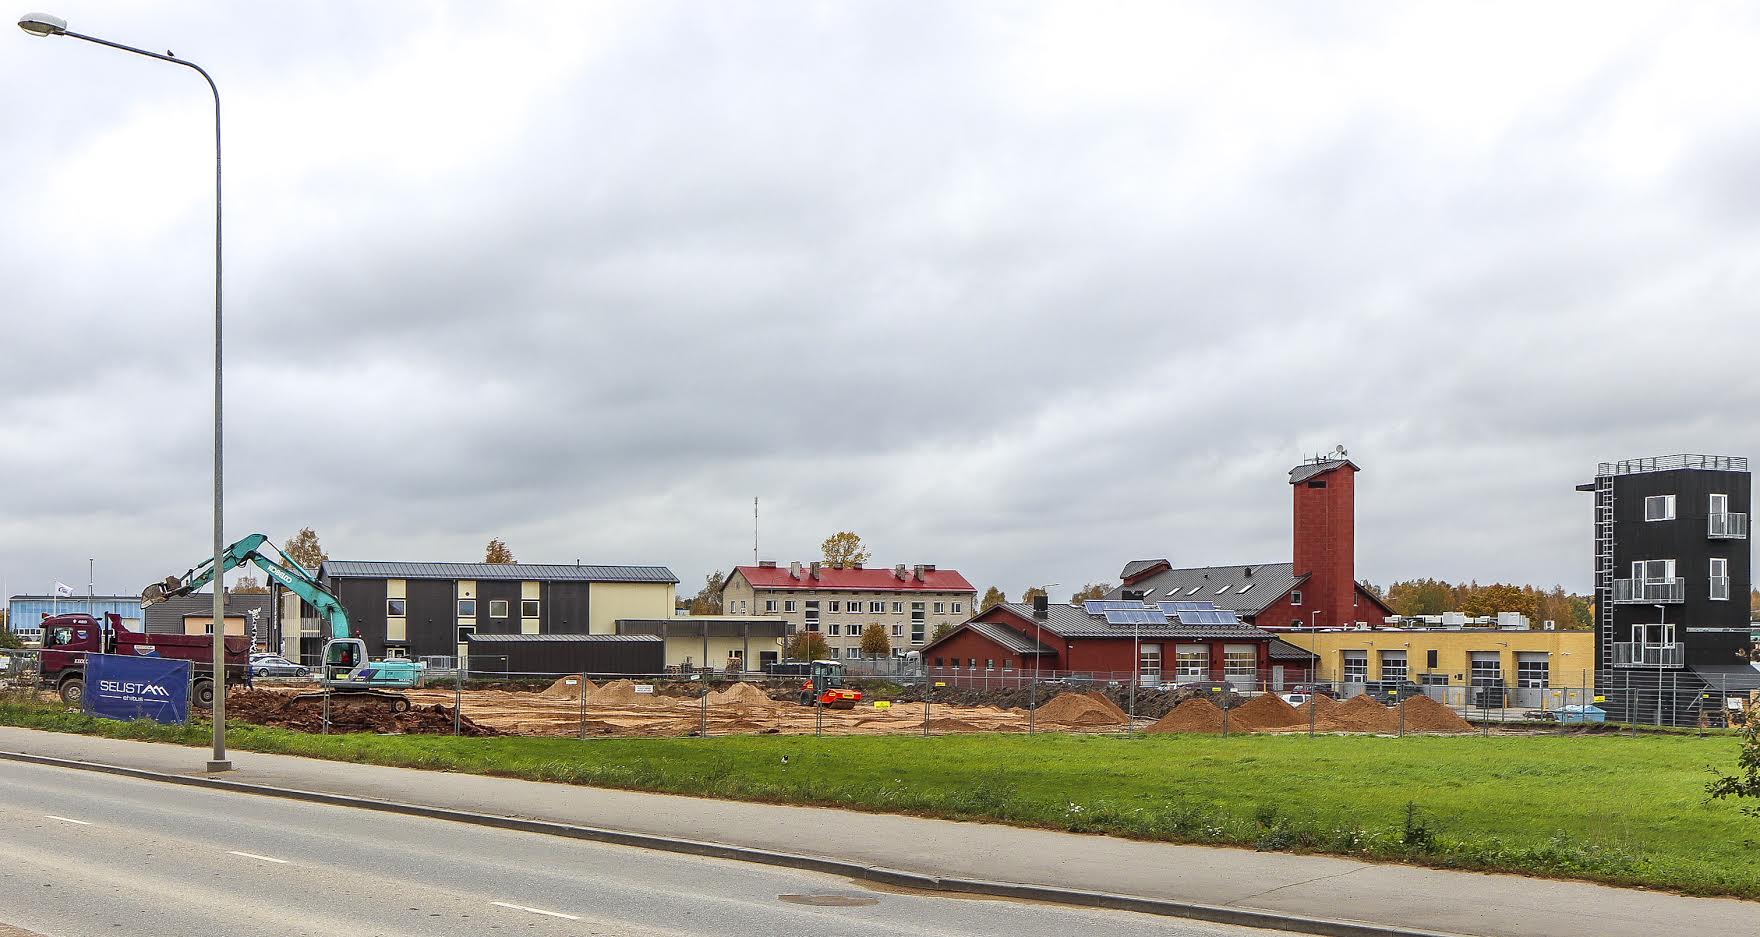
(346, 675)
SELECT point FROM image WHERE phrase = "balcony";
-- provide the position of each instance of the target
(1634, 654)
(1727, 527)
(1649, 591)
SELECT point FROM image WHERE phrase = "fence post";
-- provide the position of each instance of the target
(326, 707)
(928, 701)
(818, 711)
(1313, 711)
(1402, 715)
(457, 700)
(1225, 709)
(583, 718)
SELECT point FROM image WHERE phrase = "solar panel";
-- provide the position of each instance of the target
(1211, 616)
(1135, 616)
(1102, 606)
(1173, 608)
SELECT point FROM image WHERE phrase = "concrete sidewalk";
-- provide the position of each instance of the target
(1314, 886)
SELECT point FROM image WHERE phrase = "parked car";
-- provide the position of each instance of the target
(1313, 689)
(1385, 691)
(274, 665)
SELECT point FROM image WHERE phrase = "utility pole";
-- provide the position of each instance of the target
(754, 531)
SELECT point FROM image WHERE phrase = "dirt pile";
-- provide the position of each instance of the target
(620, 693)
(281, 710)
(1318, 704)
(740, 694)
(1193, 715)
(1358, 714)
(1424, 714)
(1116, 711)
(1080, 709)
(1265, 711)
(568, 687)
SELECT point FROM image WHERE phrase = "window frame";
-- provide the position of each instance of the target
(537, 607)
(505, 609)
(1295, 598)
(1668, 506)
(402, 607)
(464, 614)
(1715, 579)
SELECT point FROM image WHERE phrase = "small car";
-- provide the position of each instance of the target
(274, 665)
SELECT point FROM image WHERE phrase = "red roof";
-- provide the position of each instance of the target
(878, 579)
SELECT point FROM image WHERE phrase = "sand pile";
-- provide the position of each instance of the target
(942, 724)
(1117, 712)
(1324, 704)
(740, 694)
(1424, 714)
(621, 693)
(568, 687)
(1193, 715)
(1265, 711)
(1080, 709)
(1358, 714)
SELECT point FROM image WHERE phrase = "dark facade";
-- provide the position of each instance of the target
(556, 654)
(1672, 578)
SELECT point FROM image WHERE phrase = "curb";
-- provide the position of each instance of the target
(1164, 907)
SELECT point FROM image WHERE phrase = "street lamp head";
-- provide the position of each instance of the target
(42, 24)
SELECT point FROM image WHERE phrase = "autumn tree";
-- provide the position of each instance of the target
(708, 598)
(1373, 589)
(807, 645)
(498, 553)
(248, 584)
(943, 630)
(1485, 601)
(875, 643)
(992, 598)
(844, 548)
(1093, 590)
(1032, 593)
(303, 548)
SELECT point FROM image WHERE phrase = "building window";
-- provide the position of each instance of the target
(1356, 666)
(1008, 663)
(1222, 591)
(972, 663)
(1149, 663)
(1430, 659)
(940, 608)
(528, 608)
(1240, 660)
(1487, 668)
(898, 608)
(1434, 679)
(834, 629)
(876, 608)
(788, 606)
(770, 605)
(955, 663)
(959, 608)
(1719, 579)
(1653, 570)
(465, 632)
(1295, 597)
(989, 663)
(1246, 588)
(467, 608)
(394, 608)
(1533, 670)
(898, 630)
(1393, 665)
(1193, 660)
(1659, 508)
(836, 606)
(1192, 591)
(497, 608)
(837, 652)
(938, 662)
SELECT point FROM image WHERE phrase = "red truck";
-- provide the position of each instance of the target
(67, 639)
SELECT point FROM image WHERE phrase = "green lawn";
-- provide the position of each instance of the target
(1613, 808)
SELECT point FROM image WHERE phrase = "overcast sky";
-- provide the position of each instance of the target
(1024, 290)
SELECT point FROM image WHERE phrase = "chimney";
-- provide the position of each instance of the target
(898, 571)
(1247, 571)
(815, 569)
(928, 567)
(766, 564)
(917, 571)
(1324, 539)
(1041, 605)
(855, 565)
(794, 569)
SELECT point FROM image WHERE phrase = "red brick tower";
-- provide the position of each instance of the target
(1326, 540)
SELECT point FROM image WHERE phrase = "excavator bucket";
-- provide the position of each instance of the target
(160, 591)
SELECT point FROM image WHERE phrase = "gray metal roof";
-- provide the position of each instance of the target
(167, 617)
(1136, 566)
(1283, 650)
(1071, 621)
(1010, 638)
(566, 638)
(539, 572)
(1268, 582)
(1733, 678)
(1307, 470)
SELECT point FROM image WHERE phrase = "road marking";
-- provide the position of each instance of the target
(252, 855)
(51, 816)
(521, 907)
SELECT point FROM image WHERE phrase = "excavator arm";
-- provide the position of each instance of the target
(256, 550)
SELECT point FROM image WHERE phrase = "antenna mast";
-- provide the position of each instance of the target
(754, 531)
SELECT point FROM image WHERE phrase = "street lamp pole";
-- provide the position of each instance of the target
(42, 24)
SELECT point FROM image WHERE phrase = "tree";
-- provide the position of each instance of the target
(844, 548)
(303, 548)
(875, 643)
(1373, 589)
(498, 553)
(7, 638)
(1032, 592)
(248, 584)
(1499, 597)
(992, 598)
(708, 599)
(943, 630)
(1093, 590)
(807, 645)
(1746, 783)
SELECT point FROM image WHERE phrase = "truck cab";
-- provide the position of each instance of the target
(67, 639)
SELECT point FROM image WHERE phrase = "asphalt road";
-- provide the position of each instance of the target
(87, 854)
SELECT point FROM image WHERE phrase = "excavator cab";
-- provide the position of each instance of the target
(342, 656)
(824, 686)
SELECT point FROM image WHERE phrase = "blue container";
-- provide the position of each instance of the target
(1577, 714)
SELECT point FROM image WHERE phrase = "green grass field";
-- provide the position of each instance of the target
(1629, 810)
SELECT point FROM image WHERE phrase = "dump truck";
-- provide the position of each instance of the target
(67, 639)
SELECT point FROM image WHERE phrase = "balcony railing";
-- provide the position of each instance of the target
(1727, 526)
(1649, 591)
(1635, 654)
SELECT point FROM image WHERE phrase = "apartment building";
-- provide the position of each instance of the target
(841, 602)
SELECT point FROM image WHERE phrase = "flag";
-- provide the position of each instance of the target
(63, 590)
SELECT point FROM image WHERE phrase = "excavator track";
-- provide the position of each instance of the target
(396, 702)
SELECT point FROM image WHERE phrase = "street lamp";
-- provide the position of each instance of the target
(42, 24)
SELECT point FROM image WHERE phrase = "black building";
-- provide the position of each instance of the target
(433, 609)
(1672, 576)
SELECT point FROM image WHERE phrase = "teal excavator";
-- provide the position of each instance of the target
(346, 674)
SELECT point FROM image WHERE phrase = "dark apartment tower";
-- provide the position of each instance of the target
(1671, 586)
(1326, 540)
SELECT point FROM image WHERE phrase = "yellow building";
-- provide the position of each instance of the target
(1456, 657)
(715, 642)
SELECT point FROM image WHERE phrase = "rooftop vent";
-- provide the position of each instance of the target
(1041, 605)
(766, 564)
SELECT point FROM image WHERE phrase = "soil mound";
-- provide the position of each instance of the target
(1358, 714)
(1265, 711)
(943, 724)
(1080, 709)
(1118, 712)
(740, 694)
(1424, 714)
(1324, 704)
(1193, 715)
(281, 710)
(619, 693)
(568, 687)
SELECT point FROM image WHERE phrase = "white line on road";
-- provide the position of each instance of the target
(252, 855)
(50, 816)
(521, 907)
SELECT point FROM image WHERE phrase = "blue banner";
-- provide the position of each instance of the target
(129, 687)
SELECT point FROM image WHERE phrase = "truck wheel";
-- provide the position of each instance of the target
(72, 691)
(204, 693)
